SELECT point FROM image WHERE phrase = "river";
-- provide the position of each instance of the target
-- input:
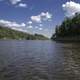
(39, 60)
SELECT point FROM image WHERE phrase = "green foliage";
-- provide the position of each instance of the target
(7, 33)
(70, 27)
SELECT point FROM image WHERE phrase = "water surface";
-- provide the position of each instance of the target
(39, 60)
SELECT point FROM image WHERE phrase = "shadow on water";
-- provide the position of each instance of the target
(72, 60)
(39, 60)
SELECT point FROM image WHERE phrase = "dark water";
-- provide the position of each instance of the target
(39, 60)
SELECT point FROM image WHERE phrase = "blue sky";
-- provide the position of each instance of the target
(36, 16)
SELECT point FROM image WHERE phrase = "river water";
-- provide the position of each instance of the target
(39, 60)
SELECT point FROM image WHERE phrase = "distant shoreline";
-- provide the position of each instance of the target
(26, 39)
(67, 39)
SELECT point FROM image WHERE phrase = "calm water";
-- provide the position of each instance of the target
(39, 60)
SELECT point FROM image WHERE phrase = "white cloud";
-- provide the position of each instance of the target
(42, 16)
(18, 3)
(6, 23)
(40, 25)
(30, 27)
(40, 28)
(13, 25)
(29, 22)
(23, 24)
(22, 5)
(15, 1)
(36, 27)
(71, 8)
(36, 18)
(47, 15)
(20, 27)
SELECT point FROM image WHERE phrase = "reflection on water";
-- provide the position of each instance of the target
(39, 60)
(72, 60)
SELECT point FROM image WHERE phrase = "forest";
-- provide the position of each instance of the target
(69, 29)
(7, 33)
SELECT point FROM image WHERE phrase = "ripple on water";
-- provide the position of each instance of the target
(39, 60)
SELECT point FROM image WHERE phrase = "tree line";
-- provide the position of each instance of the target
(7, 33)
(70, 27)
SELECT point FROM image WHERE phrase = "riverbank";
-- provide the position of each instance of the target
(67, 39)
(7, 33)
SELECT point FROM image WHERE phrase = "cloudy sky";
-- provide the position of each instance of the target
(36, 16)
